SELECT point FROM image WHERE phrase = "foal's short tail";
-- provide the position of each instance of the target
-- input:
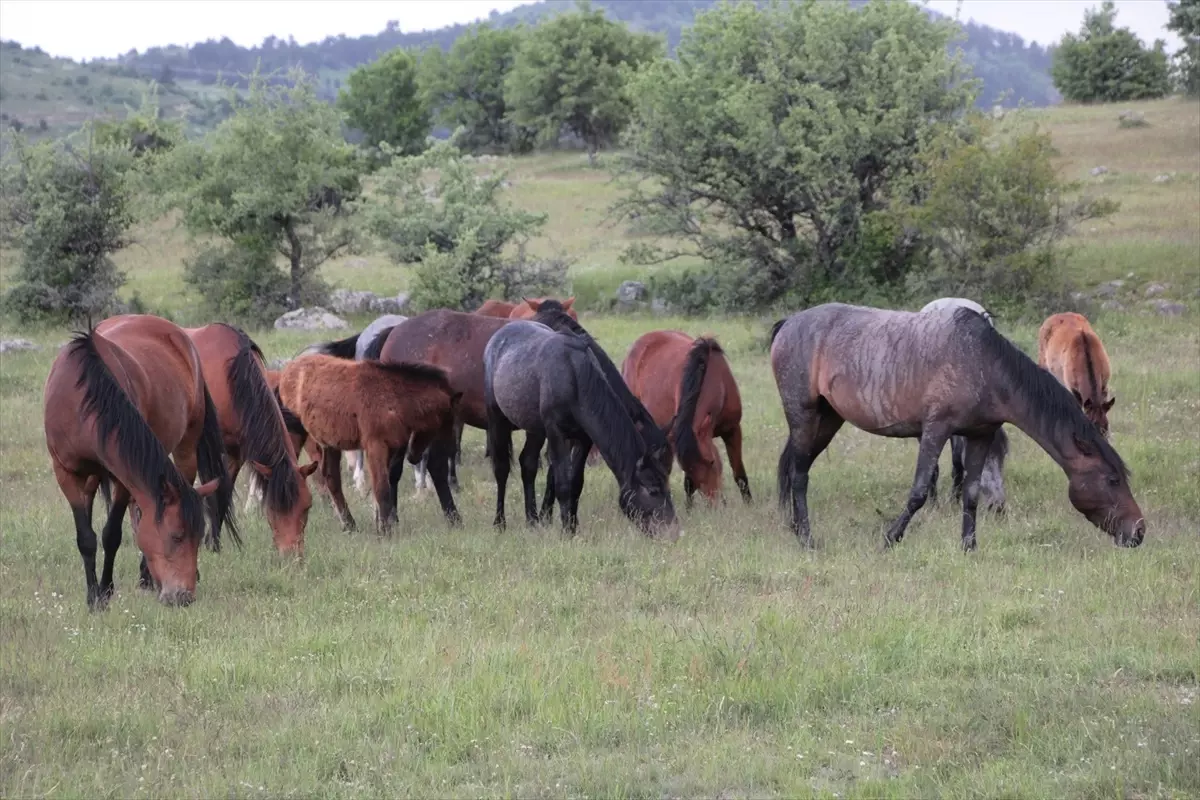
(342, 348)
(210, 458)
(787, 460)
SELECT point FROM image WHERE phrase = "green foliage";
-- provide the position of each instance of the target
(66, 207)
(570, 75)
(241, 284)
(383, 101)
(436, 212)
(275, 177)
(994, 217)
(1185, 21)
(145, 133)
(465, 88)
(1104, 63)
(779, 131)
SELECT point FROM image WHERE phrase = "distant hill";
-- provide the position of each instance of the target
(49, 95)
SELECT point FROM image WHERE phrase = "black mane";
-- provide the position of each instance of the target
(375, 348)
(291, 422)
(775, 330)
(262, 437)
(137, 447)
(552, 315)
(414, 371)
(1053, 409)
(694, 370)
(342, 348)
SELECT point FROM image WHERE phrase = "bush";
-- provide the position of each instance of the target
(1105, 64)
(244, 285)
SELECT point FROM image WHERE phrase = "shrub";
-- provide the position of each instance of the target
(245, 285)
(1104, 63)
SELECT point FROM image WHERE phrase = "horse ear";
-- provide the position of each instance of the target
(533, 304)
(260, 468)
(1110, 402)
(1084, 446)
(205, 489)
(308, 469)
(568, 302)
(169, 493)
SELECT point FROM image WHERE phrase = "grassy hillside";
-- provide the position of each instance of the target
(730, 664)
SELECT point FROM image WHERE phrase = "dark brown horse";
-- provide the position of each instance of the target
(375, 407)
(687, 386)
(932, 375)
(253, 428)
(119, 401)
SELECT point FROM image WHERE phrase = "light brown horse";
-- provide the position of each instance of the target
(119, 401)
(377, 408)
(932, 375)
(253, 429)
(686, 384)
(1073, 353)
(528, 308)
(496, 308)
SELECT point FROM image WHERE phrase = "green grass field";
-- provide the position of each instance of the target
(730, 664)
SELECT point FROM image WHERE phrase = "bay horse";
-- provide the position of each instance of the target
(521, 310)
(375, 407)
(117, 404)
(253, 428)
(527, 309)
(991, 480)
(687, 386)
(500, 309)
(1073, 353)
(932, 375)
(297, 438)
(552, 387)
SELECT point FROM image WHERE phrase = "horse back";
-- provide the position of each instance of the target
(653, 370)
(217, 345)
(157, 365)
(1070, 350)
(496, 308)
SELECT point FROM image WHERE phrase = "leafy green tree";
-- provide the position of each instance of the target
(1185, 21)
(465, 88)
(382, 99)
(436, 212)
(276, 177)
(1104, 63)
(66, 206)
(570, 75)
(994, 213)
(780, 135)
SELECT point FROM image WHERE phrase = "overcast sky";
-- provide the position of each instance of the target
(107, 28)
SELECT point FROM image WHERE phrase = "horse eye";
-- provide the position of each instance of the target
(1113, 480)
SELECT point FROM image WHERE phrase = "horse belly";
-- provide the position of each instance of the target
(876, 408)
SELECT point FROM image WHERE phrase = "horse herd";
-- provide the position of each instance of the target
(138, 408)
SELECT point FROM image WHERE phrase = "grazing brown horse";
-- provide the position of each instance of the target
(253, 428)
(118, 404)
(686, 385)
(932, 375)
(496, 308)
(1073, 353)
(378, 408)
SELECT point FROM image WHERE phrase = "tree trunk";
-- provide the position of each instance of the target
(295, 251)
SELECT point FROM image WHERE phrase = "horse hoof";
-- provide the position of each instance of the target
(969, 545)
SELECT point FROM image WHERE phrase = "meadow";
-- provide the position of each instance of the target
(731, 664)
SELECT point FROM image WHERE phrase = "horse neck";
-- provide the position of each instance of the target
(1021, 411)
(605, 421)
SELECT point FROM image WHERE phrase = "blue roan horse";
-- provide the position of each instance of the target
(552, 387)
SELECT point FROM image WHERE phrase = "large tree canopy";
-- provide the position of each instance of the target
(1104, 63)
(383, 101)
(779, 130)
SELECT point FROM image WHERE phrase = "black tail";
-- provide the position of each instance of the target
(210, 457)
(342, 348)
(787, 460)
(775, 330)
(694, 370)
(106, 491)
(375, 348)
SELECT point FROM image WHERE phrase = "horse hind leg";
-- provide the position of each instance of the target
(733, 448)
(530, 461)
(361, 484)
(80, 493)
(991, 479)
(111, 538)
(809, 434)
(331, 468)
(933, 441)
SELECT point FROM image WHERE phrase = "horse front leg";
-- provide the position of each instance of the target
(331, 470)
(933, 441)
(809, 434)
(974, 456)
(578, 465)
(559, 453)
(530, 461)
(441, 452)
(111, 538)
(733, 448)
(499, 439)
(379, 458)
(547, 512)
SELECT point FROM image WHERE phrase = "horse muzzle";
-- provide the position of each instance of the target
(1134, 537)
(177, 597)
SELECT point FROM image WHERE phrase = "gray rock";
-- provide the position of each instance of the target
(1167, 308)
(390, 305)
(1162, 179)
(348, 301)
(659, 306)
(997, 111)
(1131, 117)
(1155, 289)
(310, 319)
(1113, 305)
(1077, 296)
(1098, 171)
(11, 345)
(1109, 289)
(631, 295)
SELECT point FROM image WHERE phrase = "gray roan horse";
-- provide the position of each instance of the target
(932, 375)
(553, 315)
(991, 480)
(552, 387)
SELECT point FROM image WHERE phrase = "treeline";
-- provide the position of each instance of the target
(799, 152)
(1010, 70)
